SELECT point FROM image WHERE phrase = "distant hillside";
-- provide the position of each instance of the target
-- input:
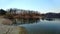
(52, 15)
(2, 12)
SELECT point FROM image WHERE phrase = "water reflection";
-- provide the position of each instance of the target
(26, 21)
(30, 21)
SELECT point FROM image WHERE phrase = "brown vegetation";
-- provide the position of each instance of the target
(7, 22)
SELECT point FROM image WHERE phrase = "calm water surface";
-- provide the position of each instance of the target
(43, 27)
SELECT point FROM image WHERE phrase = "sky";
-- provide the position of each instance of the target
(42, 6)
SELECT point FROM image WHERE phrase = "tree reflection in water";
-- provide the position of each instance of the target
(26, 21)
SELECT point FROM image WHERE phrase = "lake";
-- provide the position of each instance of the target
(46, 26)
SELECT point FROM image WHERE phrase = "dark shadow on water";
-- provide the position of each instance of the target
(48, 19)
